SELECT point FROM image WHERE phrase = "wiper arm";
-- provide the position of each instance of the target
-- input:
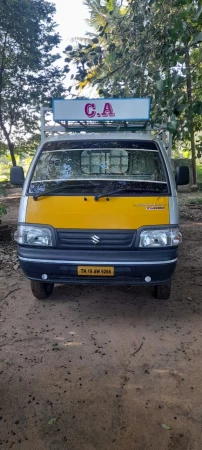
(107, 194)
(61, 188)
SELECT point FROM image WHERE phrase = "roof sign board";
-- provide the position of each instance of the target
(102, 110)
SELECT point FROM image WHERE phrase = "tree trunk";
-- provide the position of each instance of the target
(190, 112)
(2, 125)
(11, 149)
(7, 137)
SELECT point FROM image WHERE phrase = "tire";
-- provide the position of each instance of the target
(41, 290)
(162, 291)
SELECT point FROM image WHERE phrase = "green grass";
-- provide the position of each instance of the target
(5, 167)
(199, 173)
(195, 201)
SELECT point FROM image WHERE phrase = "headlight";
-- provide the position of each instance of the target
(29, 235)
(160, 238)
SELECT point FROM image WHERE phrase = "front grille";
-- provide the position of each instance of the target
(96, 239)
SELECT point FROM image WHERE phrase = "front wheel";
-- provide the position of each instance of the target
(41, 290)
(162, 291)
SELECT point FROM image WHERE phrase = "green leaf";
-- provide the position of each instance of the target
(171, 49)
(196, 17)
(188, 9)
(78, 77)
(198, 38)
(98, 49)
(69, 48)
(165, 427)
(197, 107)
(52, 421)
(3, 192)
(6, 361)
(160, 85)
(3, 210)
(172, 126)
(95, 40)
(178, 109)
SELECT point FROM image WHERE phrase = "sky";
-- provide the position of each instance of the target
(71, 19)
(71, 24)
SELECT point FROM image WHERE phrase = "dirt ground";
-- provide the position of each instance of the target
(95, 368)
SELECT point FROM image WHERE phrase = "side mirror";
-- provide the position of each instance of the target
(182, 175)
(17, 176)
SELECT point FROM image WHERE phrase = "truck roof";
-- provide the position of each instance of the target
(102, 136)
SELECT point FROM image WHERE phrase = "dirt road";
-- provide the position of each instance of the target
(103, 369)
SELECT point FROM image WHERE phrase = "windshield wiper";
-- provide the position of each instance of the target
(107, 194)
(61, 188)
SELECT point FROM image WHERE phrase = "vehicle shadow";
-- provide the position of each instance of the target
(133, 302)
(138, 301)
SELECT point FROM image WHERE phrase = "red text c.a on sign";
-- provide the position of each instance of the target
(90, 110)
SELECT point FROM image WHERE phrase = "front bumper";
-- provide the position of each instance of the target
(130, 267)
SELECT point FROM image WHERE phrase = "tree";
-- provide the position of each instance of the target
(29, 75)
(148, 48)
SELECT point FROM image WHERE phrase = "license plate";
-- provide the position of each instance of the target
(95, 271)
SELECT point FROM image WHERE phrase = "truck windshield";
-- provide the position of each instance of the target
(104, 162)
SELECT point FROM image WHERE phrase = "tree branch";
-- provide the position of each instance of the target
(138, 349)
(117, 68)
(2, 67)
(10, 292)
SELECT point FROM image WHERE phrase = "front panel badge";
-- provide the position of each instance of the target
(152, 207)
(95, 239)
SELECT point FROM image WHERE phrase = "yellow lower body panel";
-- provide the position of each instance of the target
(119, 213)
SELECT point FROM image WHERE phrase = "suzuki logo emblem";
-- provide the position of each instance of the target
(95, 239)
